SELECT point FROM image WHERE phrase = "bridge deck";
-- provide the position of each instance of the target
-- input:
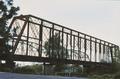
(51, 60)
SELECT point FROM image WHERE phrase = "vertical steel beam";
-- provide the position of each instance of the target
(40, 38)
(49, 50)
(85, 47)
(78, 44)
(27, 39)
(111, 52)
(108, 52)
(71, 43)
(115, 48)
(59, 50)
(116, 52)
(80, 47)
(73, 46)
(100, 50)
(53, 40)
(95, 50)
(62, 43)
(66, 46)
(90, 48)
(104, 50)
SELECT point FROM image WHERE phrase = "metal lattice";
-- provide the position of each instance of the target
(30, 34)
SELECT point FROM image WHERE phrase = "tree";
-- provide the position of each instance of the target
(7, 11)
(54, 49)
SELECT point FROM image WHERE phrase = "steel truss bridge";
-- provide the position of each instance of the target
(38, 40)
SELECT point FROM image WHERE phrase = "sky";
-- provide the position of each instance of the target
(99, 18)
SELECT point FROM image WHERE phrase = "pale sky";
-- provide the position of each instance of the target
(99, 18)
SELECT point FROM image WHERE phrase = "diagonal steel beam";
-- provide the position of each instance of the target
(19, 36)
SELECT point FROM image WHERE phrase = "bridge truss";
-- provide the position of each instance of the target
(39, 40)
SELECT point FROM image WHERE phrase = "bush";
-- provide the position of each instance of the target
(2, 69)
(5, 69)
(34, 69)
(117, 75)
(105, 76)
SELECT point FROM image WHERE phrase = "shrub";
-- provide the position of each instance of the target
(117, 75)
(105, 76)
(33, 69)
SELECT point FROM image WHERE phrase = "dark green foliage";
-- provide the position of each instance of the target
(33, 69)
(117, 66)
(53, 47)
(4, 69)
(114, 71)
(117, 75)
(59, 68)
(7, 11)
(105, 76)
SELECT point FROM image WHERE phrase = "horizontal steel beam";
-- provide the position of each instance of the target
(49, 60)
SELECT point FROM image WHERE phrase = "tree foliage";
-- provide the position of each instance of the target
(32, 69)
(54, 49)
(7, 11)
